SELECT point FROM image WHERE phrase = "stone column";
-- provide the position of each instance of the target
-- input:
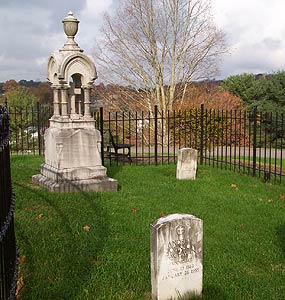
(64, 101)
(87, 101)
(55, 101)
(79, 105)
(73, 113)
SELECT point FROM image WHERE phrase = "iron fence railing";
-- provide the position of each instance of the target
(244, 141)
(28, 125)
(8, 247)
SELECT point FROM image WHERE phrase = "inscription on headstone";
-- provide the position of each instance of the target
(176, 256)
(186, 163)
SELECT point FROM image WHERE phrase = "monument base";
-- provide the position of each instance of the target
(73, 160)
(104, 184)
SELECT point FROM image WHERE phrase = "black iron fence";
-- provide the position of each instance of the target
(248, 142)
(8, 247)
(28, 125)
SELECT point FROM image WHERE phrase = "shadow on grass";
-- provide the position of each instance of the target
(211, 292)
(113, 169)
(280, 232)
(65, 272)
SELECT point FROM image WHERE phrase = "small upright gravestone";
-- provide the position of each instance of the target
(176, 256)
(187, 163)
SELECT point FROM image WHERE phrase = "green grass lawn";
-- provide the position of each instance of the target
(244, 233)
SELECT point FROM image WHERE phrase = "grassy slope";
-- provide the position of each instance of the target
(244, 233)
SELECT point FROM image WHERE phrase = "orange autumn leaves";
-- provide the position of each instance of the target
(162, 214)
(20, 282)
(85, 228)
(234, 187)
(280, 197)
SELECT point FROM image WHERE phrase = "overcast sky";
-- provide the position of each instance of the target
(32, 29)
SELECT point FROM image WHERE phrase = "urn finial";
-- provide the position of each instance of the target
(70, 26)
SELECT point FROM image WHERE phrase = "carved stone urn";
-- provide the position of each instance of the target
(70, 26)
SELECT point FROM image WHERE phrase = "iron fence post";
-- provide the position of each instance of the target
(254, 141)
(155, 134)
(8, 247)
(202, 134)
(102, 133)
(39, 128)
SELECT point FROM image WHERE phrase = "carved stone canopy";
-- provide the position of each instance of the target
(71, 74)
(63, 65)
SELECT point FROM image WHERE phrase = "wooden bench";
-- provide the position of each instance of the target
(117, 147)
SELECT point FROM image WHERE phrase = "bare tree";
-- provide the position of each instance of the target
(159, 47)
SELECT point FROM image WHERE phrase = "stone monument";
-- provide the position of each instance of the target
(187, 164)
(72, 144)
(176, 257)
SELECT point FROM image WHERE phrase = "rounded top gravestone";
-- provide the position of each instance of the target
(176, 256)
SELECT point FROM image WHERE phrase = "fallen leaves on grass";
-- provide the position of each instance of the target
(281, 197)
(20, 284)
(278, 268)
(134, 210)
(264, 200)
(162, 214)
(20, 281)
(87, 228)
(33, 208)
(234, 186)
(22, 259)
(241, 225)
(40, 216)
(97, 262)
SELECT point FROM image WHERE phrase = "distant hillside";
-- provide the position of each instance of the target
(26, 83)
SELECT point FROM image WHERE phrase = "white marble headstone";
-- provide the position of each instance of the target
(186, 163)
(176, 256)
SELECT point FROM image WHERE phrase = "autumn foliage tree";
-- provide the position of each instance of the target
(221, 118)
(10, 85)
(212, 96)
(43, 93)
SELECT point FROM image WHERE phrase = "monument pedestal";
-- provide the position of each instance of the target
(104, 184)
(72, 159)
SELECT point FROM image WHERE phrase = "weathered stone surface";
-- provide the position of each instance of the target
(104, 184)
(75, 151)
(72, 144)
(187, 163)
(73, 161)
(176, 256)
